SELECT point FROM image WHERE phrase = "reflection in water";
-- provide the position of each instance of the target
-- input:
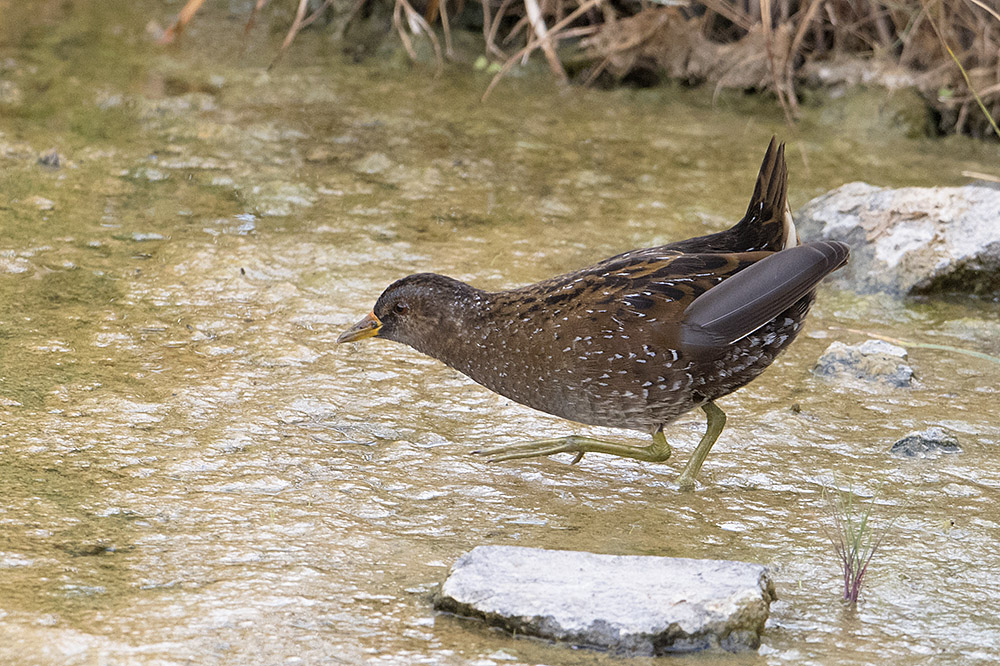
(192, 470)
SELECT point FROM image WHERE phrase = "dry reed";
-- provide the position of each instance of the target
(950, 48)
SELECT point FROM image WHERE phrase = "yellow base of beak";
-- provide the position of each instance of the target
(366, 328)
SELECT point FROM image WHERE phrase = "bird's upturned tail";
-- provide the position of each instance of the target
(768, 224)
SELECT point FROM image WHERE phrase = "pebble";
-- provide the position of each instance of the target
(872, 361)
(931, 443)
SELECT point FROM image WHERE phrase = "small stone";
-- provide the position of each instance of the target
(872, 361)
(373, 163)
(319, 154)
(41, 203)
(553, 207)
(10, 94)
(50, 158)
(279, 198)
(150, 174)
(106, 100)
(143, 236)
(86, 549)
(631, 605)
(930, 443)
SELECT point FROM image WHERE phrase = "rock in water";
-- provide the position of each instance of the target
(872, 361)
(930, 443)
(632, 605)
(912, 240)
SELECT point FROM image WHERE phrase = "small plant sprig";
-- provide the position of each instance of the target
(854, 538)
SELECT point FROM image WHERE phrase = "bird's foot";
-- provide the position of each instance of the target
(658, 451)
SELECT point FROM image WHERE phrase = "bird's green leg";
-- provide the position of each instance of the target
(658, 451)
(716, 422)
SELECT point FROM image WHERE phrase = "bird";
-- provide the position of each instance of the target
(633, 341)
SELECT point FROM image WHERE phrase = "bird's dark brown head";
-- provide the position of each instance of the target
(424, 311)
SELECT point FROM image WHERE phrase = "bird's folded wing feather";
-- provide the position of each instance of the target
(741, 304)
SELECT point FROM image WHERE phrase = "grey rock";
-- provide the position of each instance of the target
(50, 158)
(631, 605)
(373, 163)
(912, 240)
(872, 361)
(930, 443)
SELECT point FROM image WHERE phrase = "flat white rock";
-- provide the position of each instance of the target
(630, 604)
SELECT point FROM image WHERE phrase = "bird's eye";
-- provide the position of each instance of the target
(401, 308)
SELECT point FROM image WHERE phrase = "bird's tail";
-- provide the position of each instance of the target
(768, 223)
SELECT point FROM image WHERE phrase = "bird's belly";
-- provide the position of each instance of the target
(619, 395)
(639, 392)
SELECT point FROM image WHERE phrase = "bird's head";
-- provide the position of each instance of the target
(424, 311)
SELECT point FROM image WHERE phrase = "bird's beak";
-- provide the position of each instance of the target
(366, 328)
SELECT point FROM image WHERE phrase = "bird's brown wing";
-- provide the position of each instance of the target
(755, 295)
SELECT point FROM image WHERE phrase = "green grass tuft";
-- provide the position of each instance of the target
(854, 537)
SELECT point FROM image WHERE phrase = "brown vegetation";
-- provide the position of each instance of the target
(948, 49)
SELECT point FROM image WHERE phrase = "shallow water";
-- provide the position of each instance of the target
(195, 473)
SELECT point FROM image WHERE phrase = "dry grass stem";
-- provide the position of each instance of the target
(986, 8)
(542, 33)
(786, 96)
(446, 27)
(416, 24)
(979, 175)
(965, 75)
(300, 21)
(184, 17)
(254, 13)
(527, 49)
